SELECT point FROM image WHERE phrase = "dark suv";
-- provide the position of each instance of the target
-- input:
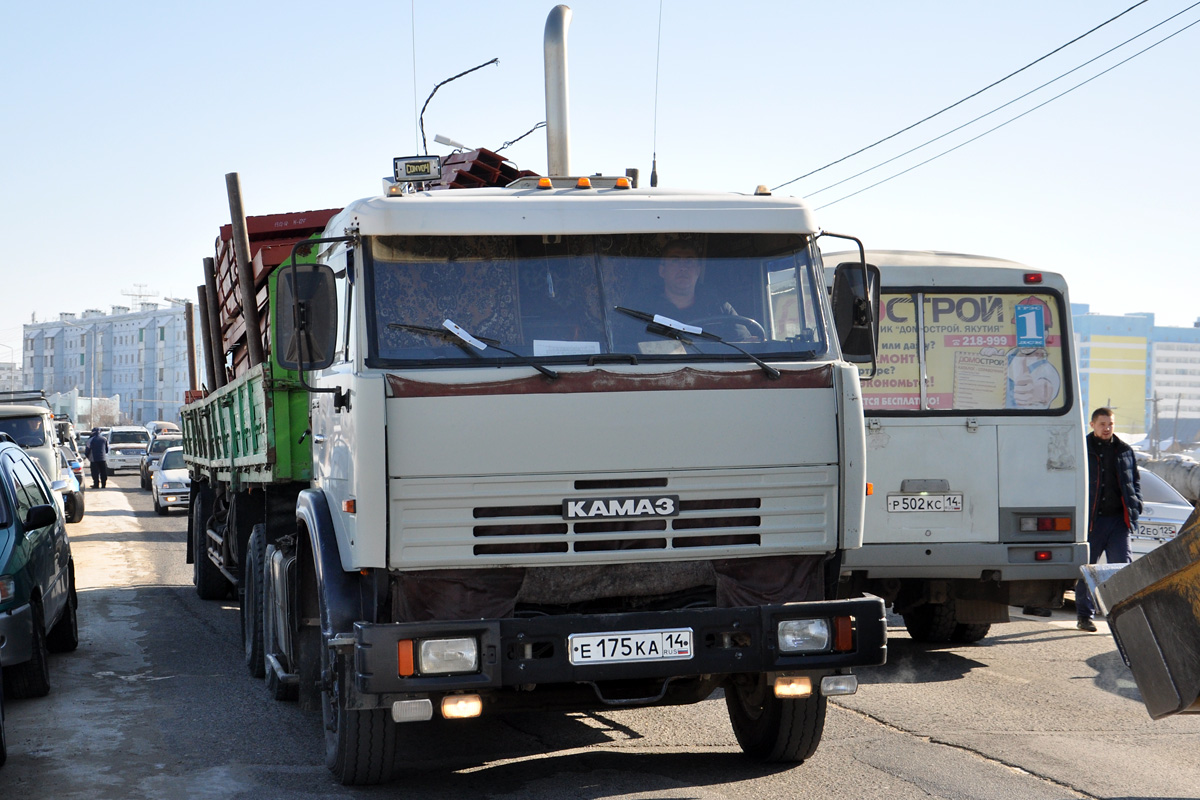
(37, 575)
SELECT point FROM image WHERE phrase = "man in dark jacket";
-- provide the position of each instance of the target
(97, 456)
(1114, 503)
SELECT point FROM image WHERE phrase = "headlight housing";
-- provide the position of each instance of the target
(803, 635)
(449, 656)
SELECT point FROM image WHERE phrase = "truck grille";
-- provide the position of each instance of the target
(728, 514)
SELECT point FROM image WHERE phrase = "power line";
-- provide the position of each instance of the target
(960, 102)
(1001, 107)
(1014, 119)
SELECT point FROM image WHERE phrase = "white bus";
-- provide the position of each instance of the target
(975, 444)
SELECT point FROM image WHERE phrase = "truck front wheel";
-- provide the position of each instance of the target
(360, 746)
(768, 728)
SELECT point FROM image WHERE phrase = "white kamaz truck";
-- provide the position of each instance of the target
(561, 443)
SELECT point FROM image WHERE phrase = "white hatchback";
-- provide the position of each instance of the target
(172, 485)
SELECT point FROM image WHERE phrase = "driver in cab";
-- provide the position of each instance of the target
(681, 269)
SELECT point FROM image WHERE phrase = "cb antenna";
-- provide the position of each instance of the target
(657, 62)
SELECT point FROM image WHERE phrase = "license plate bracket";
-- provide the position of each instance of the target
(939, 502)
(613, 647)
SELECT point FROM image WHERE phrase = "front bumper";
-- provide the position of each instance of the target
(117, 460)
(16, 636)
(174, 498)
(522, 652)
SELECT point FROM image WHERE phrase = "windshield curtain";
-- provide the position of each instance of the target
(972, 350)
(554, 298)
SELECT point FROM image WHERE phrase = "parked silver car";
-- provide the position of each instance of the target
(1163, 514)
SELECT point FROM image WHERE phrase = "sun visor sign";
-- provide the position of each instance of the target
(621, 507)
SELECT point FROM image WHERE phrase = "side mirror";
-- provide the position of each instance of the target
(856, 311)
(305, 316)
(60, 486)
(40, 517)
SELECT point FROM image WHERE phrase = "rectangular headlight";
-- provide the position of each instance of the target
(803, 635)
(443, 656)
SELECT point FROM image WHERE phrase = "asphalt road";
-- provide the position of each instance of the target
(156, 703)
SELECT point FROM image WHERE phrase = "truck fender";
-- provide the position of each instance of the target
(341, 604)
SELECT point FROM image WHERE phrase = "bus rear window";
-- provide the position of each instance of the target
(968, 351)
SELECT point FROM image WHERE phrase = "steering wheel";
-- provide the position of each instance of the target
(730, 323)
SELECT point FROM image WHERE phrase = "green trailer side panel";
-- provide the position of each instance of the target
(249, 432)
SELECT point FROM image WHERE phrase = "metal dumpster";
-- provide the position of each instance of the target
(1153, 609)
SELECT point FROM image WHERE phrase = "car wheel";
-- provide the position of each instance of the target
(3, 743)
(32, 678)
(64, 636)
(76, 514)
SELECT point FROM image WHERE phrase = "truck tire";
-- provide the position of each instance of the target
(64, 636)
(210, 583)
(32, 678)
(968, 632)
(360, 746)
(770, 729)
(931, 622)
(252, 602)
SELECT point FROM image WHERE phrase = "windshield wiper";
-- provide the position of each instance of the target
(473, 345)
(673, 328)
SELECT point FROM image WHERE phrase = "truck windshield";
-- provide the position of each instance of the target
(554, 298)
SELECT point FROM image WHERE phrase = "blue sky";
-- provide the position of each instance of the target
(121, 120)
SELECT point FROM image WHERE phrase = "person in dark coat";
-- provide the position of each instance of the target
(1114, 504)
(97, 456)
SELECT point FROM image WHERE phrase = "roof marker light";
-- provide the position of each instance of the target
(1033, 277)
(583, 183)
(545, 183)
(623, 183)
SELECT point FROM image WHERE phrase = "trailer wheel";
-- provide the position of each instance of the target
(360, 746)
(768, 728)
(252, 602)
(968, 632)
(32, 678)
(210, 583)
(931, 622)
(64, 636)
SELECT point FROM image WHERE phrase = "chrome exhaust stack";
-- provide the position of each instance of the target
(558, 122)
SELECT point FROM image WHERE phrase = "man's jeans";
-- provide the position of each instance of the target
(1109, 537)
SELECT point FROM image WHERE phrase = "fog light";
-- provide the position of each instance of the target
(803, 635)
(796, 686)
(835, 685)
(412, 710)
(445, 656)
(462, 706)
